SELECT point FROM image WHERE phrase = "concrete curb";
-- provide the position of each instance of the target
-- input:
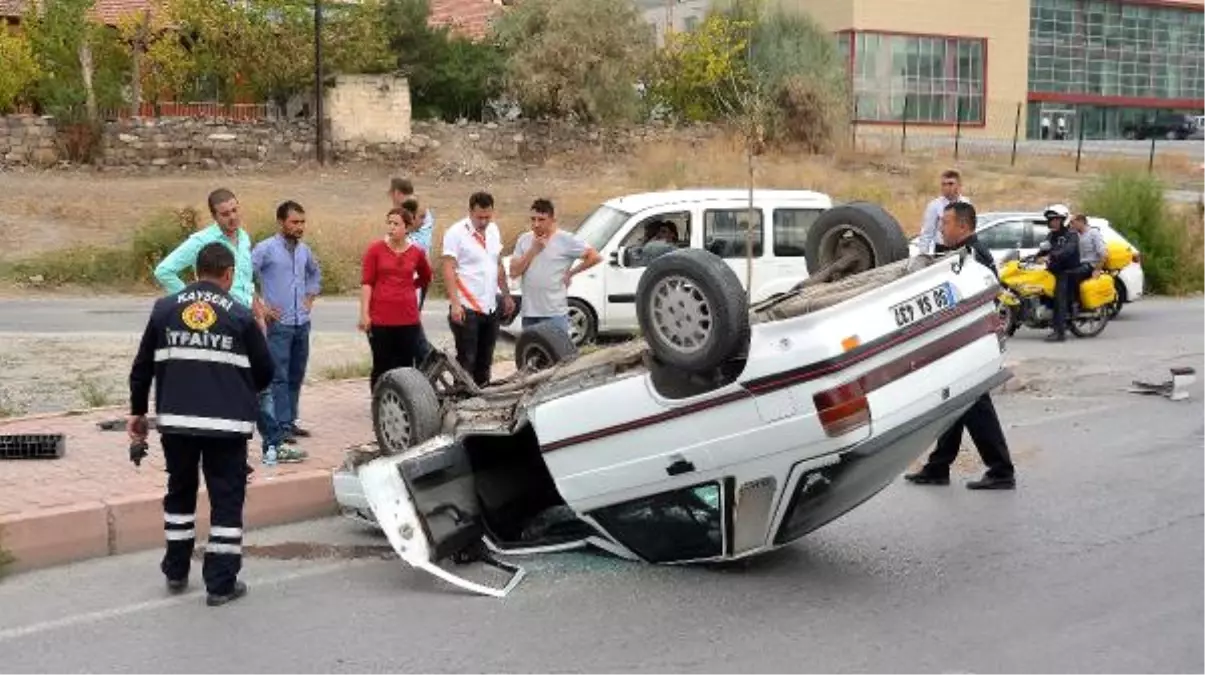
(48, 537)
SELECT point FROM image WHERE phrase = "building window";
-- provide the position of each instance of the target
(926, 79)
(690, 23)
(1110, 48)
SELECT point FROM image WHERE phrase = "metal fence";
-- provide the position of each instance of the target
(1009, 131)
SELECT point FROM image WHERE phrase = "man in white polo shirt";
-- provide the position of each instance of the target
(930, 240)
(474, 278)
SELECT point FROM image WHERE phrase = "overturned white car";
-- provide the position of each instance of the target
(725, 432)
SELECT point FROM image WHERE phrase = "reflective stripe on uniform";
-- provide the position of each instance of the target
(180, 535)
(210, 355)
(226, 532)
(224, 549)
(179, 518)
(206, 423)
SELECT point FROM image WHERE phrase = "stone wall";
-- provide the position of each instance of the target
(28, 141)
(369, 109)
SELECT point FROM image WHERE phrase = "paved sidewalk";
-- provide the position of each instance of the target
(96, 465)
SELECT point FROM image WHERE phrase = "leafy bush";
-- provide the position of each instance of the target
(20, 70)
(1170, 240)
(575, 58)
(61, 33)
(689, 73)
(450, 75)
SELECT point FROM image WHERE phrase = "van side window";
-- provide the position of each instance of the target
(725, 232)
(791, 231)
(674, 228)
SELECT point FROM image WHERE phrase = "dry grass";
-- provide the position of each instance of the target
(48, 213)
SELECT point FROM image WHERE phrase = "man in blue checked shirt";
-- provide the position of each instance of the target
(290, 279)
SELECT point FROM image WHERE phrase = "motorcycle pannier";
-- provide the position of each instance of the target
(1096, 292)
(1118, 255)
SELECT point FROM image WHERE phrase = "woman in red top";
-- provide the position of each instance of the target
(393, 272)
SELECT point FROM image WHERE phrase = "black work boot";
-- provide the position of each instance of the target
(926, 477)
(240, 589)
(1056, 337)
(177, 586)
(989, 482)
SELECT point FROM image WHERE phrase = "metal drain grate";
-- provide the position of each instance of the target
(32, 446)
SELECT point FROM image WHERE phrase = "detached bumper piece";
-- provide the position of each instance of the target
(32, 446)
(1175, 389)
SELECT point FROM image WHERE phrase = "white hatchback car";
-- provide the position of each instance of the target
(728, 431)
(1013, 233)
(603, 300)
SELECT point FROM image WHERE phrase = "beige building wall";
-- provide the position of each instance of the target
(1004, 23)
(369, 109)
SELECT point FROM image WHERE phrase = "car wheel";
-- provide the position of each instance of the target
(543, 346)
(861, 230)
(405, 410)
(1010, 318)
(692, 310)
(583, 322)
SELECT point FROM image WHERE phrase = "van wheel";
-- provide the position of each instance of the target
(543, 346)
(405, 410)
(862, 231)
(583, 322)
(692, 310)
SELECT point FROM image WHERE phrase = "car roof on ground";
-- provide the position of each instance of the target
(645, 200)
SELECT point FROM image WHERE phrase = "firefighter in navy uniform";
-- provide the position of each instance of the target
(208, 359)
(958, 228)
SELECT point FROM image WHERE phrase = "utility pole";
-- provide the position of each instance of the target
(318, 89)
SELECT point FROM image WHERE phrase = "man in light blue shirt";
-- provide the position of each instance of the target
(227, 228)
(401, 192)
(289, 279)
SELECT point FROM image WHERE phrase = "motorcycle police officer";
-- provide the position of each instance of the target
(208, 359)
(958, 229)
(1063, 262)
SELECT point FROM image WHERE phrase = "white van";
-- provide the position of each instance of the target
(603, 300)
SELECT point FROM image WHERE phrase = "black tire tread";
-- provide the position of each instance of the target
(873, 221)
(550, 338)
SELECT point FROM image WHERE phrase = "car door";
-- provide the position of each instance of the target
(785, 264)
(726, 234)
(621, 279)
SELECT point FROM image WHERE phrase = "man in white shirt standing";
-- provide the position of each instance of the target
(474, 279)
(544, 258)
(930, 240)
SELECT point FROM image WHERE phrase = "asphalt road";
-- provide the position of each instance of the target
(1093, 565)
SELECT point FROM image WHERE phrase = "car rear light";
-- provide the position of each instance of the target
(842, 409)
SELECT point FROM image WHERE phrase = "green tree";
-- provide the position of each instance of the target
(83, 63)
(693, 68)
(356, 38)
(794, 64)
(575, 58)
(20, 71)
(450, 75)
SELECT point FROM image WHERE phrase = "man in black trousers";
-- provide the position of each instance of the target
(958, 230)
(208, 360)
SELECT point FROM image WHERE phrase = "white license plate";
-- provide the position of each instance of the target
(930, 302)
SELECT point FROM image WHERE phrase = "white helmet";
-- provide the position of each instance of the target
(1057, 211)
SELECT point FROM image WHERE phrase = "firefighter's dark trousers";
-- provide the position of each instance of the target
(223, 461)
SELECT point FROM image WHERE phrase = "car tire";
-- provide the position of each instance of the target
(583, 322)
(405, 410)
(862, 229)
(543, 346)
(692, 310)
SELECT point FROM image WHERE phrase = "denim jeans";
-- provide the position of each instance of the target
(290, 347)
(270, 432)
(561, 321)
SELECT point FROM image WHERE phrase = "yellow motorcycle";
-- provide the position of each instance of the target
(1027, 299)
